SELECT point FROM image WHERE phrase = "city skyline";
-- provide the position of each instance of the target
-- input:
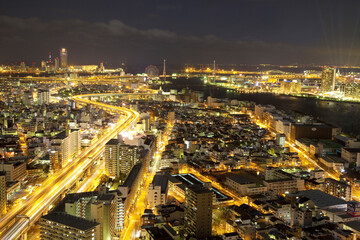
(180, 120)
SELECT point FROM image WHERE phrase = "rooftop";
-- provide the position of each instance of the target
(70, 220)
(158, 233)
(352, 150)
(322, 199)
(240, 179)
(354, 225)
(113, 142)
(129, 181)
(61, 135)
(199, 189)
(160, 180)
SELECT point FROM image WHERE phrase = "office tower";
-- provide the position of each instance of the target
(328, 79)
(3, 195)
(57, 64)
(338, 189)
(119, 158)
(43, 97)
(63, 58)
(198, 211)
(59, 225)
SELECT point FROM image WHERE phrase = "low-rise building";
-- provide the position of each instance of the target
(338, 189)
(158, 190)
(57, 225)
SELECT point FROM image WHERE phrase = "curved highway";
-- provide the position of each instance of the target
(18, 219)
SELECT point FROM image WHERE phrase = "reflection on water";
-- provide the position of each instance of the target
(344, 115)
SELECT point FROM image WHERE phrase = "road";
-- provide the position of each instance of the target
(133, 224)
(30, 210)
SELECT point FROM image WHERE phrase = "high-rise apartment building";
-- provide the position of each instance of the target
(27, 98)
(328, 77)
(43, 97)
(63, 58)
(338, 189)
(64, 147)
(128, 157)
(111, 157)
(3, 195)
(198, 211)
(98, 206)
(119, 158)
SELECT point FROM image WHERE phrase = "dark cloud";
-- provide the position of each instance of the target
(30, 39)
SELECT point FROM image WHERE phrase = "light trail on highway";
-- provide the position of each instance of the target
(51, 189)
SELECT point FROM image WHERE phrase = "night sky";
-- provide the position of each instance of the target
(188, 31)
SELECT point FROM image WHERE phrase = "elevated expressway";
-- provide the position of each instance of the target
(16, 222)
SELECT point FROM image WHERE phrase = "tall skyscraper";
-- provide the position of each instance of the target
(3, 195)
(64, 58)
(198, 211)
(328, 77)
(57, 64)
(111, 157)
(43, 97)
(128, 157)
(119, 158)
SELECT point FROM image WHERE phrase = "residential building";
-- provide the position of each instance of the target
(43, 97)
(64, 147)
(15, 171)
(198, 211)
(338, 189)
(58, 225)
(282, 182)
(119, 158)
(94, 206)
(301, 217)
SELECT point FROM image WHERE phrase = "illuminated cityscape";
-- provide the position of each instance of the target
(180, 120)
